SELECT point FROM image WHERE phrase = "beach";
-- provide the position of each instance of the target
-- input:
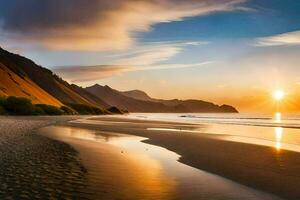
(127, 158)
(261, 167)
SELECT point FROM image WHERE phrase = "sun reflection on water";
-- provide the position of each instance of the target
(277, 117)
(278, 137)
(278, 131)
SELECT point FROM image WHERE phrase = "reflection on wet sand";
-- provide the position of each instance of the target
(278, 132)
(114, 172)
(278, 136)
(243, 153)
(122, 167)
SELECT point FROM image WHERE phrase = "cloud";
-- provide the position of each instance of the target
(149, 56)
(80, 74)
(290, 38)
(156, 52)
(95, 24)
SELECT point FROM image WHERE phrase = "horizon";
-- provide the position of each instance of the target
(187, 50)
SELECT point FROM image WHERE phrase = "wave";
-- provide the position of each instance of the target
(207, 117)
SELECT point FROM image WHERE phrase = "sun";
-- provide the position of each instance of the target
(278, 95)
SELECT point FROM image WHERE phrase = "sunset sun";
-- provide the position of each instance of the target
(278, 95)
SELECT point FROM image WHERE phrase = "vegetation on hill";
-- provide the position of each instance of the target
(68, 111)
(91, 110)
(22, 106)
(115, 110)
(83, 109)
(50, 110)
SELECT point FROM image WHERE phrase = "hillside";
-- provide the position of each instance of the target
(46, 80)
(13, 85)
(116, 98)
(139, 101)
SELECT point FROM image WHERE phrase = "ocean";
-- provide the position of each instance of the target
(281, 131)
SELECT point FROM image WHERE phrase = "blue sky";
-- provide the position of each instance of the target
(208, 46)
(264, 19)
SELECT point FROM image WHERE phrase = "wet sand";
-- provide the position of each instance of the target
(260, 167)
(116, 158)
(121, 166)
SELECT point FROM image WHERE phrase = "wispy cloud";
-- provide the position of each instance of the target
(96, 24)
(149, 56)
(155, 52)
(80, 74)
(290, 38)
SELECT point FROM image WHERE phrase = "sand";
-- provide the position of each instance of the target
(121, 166)
(36, 167)
(260, 167)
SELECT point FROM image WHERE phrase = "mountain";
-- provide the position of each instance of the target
(116, 98)
(139, 101)
(187, 105)
(52, 89)
(138, 94)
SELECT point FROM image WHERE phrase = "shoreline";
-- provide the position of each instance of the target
(122, 166)
(260, 167)
(112, 173)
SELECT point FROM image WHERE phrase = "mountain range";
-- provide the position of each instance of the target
(19, 76)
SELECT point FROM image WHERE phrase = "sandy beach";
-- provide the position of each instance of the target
(36, 167)
(261, 167)
(122, 158)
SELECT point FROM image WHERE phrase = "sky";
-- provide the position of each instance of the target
(236, 52)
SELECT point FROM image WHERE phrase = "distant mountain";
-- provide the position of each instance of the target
(59, 91)
(116, 98)
(139, 101)
(186, 105)
(138, 94)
